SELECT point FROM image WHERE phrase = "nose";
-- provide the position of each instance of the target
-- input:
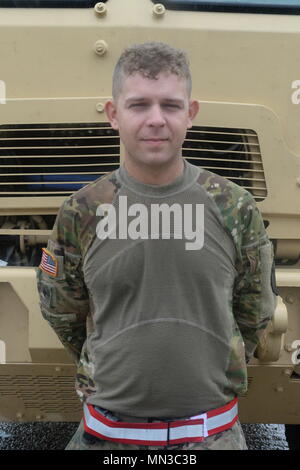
(156, 116)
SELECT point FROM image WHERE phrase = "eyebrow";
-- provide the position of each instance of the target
(135, 99)
(174, 100)
(165, 100)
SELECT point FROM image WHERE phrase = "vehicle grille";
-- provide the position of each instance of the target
(43, 392)
(232, 153)
(47, 393)
(58, 159)
(55, 159)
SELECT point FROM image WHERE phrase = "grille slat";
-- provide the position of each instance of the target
(57, 156)
(53, 147)
(31, 193)
(80, 165)
(52, 182)
(210, 167)
(58, 159)
(229, 151)
(257, 162)
(225, 132)
(55, 173)
(216, 141)
(47, 127)
(63, 137)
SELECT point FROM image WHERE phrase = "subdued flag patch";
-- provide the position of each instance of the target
(48, 263)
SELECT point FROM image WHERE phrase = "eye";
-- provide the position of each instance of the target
(137, 105)
(172, 106)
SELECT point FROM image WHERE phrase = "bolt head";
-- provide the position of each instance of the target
(100, 8)
(100, 107)
(159, 9)
(100, 47)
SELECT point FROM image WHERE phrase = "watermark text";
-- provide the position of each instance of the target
(296, 94)
(296, 353)
(2, 92)
(138, 221)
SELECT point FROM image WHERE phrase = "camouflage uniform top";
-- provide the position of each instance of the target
(70, 301)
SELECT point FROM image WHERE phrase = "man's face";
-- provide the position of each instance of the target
(152, 116)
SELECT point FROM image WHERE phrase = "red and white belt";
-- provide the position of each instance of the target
(162, 433)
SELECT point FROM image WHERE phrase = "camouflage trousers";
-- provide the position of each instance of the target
(231, 439)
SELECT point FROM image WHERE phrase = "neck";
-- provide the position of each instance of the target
(159, 175)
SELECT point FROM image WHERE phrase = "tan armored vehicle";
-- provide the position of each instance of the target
(57, 59)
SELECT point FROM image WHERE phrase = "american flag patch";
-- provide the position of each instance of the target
(48, 263)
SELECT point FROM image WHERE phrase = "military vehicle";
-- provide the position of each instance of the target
(57, 59)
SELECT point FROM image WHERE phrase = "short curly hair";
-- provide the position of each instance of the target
(149, 59)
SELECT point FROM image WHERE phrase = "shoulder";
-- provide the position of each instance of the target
(82, 205)
(224, 192)
(235, 206)
(76, 220)
(90, 196)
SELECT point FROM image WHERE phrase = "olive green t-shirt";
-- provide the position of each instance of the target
(162, 314)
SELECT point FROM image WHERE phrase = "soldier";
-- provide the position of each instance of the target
(161, 327)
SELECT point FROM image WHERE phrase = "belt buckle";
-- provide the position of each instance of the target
(203, 416)
(202, 432)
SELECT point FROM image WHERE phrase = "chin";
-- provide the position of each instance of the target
(159, 160)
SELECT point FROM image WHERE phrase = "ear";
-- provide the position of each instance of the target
(194, 106)
(111, 113)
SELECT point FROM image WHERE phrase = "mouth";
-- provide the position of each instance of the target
(154, 140)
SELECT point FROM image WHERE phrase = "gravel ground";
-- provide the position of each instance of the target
(55, 436)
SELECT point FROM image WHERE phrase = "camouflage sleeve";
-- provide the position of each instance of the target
(254, 298)
(254, 290)
(64, 299)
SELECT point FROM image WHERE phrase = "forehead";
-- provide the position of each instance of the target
(165, 86)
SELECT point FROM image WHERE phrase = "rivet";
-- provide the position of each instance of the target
(100, 107)
(100, 8)
(279, 389)
(37, 417)
(287, 372)
(289, 348)
(57, 369)
(100, 47)
(19, 415)
(159, 9)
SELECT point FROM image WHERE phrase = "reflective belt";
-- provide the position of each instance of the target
(161, 433)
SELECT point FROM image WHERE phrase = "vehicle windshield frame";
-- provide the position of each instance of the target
(48, 3)
(283, 7)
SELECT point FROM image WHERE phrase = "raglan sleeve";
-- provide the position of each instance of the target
(64, 299)
(254, 296)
